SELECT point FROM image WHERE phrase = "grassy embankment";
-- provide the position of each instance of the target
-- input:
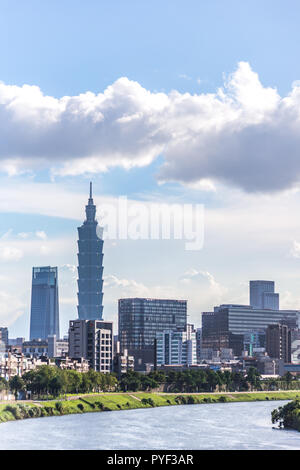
(87, 403)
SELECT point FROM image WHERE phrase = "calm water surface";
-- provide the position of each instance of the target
(214, 426)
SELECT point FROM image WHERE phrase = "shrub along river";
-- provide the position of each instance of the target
(212, 426)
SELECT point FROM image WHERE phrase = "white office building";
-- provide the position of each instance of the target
(176, 348)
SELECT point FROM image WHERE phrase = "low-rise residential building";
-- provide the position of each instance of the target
(35, 348)
(123, 363)
(80, 364)
(58, 347)
(15, 363)
(16, 341)
(267, 365)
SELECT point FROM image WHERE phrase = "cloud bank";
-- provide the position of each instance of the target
(245, 134)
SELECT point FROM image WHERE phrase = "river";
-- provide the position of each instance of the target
(211, 426)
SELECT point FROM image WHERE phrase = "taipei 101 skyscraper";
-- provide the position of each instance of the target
(90, 268)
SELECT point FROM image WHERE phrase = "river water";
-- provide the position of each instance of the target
(211, 426)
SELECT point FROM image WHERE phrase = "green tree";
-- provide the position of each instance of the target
(86, 385)
(131, 381)
(288, 378)
(74, 381)
(239, 382)
(16, 385)
(213, 380)
(227, 380)
(253, 378)
(57, 385)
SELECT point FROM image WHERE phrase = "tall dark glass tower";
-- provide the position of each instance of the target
(141, 319)
(90, 269)
(44, 318)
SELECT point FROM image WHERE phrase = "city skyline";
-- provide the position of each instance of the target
(150, 229)
(256, 288)
(125, 119)
(197, 320)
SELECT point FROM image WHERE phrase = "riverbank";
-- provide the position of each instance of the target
(88, 403)
(288, 416)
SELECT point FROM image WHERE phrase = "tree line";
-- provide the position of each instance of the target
(191, 380)
(204, 380)
(51, 380)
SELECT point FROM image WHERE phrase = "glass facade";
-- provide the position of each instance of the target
(270, 300)
(231, 322)
(90, 266)
(262, 295)
(139, 321)
(240, 319)
(176, 348)
(44, 318)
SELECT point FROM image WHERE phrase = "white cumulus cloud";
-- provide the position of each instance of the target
(244, 134)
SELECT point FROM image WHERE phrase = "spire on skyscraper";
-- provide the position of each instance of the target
(90, 209)
(91, 193)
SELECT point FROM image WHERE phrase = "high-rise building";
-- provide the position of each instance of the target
(176, 348)
(44, 318)
(4, 335)
(92, 340)
(243, 318)
(199, 343)
(90, 268)
(227, 325)
(278, 342)
(262, 295)
(139, 321)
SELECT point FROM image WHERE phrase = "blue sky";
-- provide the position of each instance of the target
(66, 47)
(162, 133)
